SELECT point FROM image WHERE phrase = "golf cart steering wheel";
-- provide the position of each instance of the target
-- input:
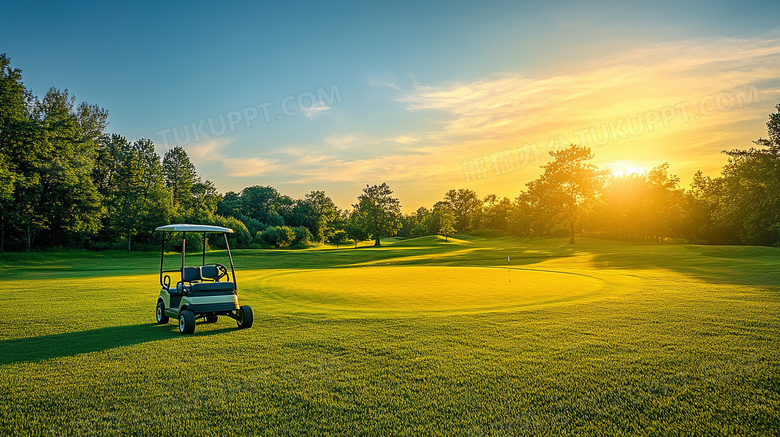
(222, 271)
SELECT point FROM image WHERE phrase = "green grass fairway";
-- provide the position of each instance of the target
(420, 337)
(414, 290)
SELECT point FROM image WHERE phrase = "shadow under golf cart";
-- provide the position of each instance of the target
(69, 344)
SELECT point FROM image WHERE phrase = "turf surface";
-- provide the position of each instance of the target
(418, 337)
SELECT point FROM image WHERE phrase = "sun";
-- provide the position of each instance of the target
(623, 168)
(625, 171)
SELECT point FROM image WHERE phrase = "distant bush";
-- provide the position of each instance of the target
(339, 237)
(303, 237)
(240, 237)
(418, 231)
(253, 226)
(282, 237)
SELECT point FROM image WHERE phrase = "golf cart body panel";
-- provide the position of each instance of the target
(200, 305)
(204, 291)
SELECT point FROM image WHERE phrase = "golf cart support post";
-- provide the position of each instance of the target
(192, 228)
(199, 294)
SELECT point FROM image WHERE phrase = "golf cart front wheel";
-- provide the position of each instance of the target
(187, 322)
(161, 317)
(245, 317)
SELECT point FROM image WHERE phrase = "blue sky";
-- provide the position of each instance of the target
(424, 96)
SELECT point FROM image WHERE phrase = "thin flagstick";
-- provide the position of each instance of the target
(508, 270)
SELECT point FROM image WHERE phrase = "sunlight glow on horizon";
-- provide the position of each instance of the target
(626, 169)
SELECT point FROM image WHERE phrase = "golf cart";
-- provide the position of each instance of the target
(203, 292)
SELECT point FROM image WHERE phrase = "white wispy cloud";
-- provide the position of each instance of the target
(384, 80)
(246, 167)
(318, 108)
(207, 150)
(341, 141)
(215, 152)
(405, 139)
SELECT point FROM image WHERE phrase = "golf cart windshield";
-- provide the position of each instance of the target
(204, 272)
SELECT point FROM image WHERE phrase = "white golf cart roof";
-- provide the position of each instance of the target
(193, 228)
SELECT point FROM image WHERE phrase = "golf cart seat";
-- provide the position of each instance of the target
(210, 273)
(213, 286)
(191, 274)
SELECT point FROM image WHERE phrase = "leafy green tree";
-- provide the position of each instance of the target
(317, 212)
(445, 219)
(303, 236)
(440, 220)
(280, 236)
(567, 183)
(205, 197)
(13, 96)
(58, 156)
(466, 205)
(380, 211)
(412, 225)
(253, 225)
(662, 206)
(355, 226)
(750, 189)
(431, 221)
(240, 238)
(7, 182)
(230, 205)
(12, 120)
(495, 212)
(47, 153)
(286, 237)
(702, 200)
(28, 191)
(129, 177)
(338, 237)
(180, 176)
(265, 204)
(521, 217)
(418, 230)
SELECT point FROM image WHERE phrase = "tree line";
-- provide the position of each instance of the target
(574, 197)
(65, 182)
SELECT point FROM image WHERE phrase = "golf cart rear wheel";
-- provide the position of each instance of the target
(187, 322)
(245, 317)
(211, 319)
(161, 317)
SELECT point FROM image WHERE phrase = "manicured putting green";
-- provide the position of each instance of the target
(420, 289)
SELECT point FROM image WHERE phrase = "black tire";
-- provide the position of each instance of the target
(211, 319)
(187, 322)
(245, 317)
(160, 313)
